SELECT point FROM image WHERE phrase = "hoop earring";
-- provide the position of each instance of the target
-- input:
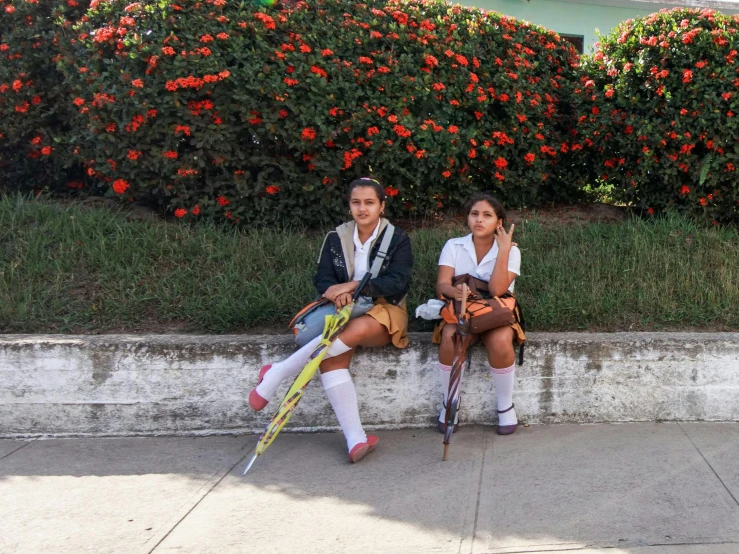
(382, 214)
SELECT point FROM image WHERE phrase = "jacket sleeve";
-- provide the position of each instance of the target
(395, 279)
(325, 273)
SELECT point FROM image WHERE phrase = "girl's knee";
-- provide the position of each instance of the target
(499, 341)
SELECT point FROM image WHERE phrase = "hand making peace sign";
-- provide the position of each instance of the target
(503, 238)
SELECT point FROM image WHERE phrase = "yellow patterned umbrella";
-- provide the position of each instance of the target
(332, 328)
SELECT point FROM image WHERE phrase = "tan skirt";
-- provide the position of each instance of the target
(519, 337)
(393, 318)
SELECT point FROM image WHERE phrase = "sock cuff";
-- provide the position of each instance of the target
(334, 378)
(503, 370)
(337, 348)
(444, 367)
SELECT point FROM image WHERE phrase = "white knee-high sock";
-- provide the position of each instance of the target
(343, 398)
(294, 364)
(444, 372)
(504, 379)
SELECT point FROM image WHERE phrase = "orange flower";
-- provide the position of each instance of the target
(268, 22)
(272, 189)
(401, 131)
(195, 210)
(308, 134)
(391, 191)
(180, 212)
(46, 150)
(223, 201)
(120, 186)
(138, 83)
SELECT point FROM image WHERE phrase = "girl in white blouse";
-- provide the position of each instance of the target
(487, 253)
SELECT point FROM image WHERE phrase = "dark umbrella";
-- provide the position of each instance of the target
(461, 339)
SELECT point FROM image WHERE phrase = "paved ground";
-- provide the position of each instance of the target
(634, 488)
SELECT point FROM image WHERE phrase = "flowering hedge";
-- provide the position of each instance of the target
(658, 103)
(34, 110)
(260, 114)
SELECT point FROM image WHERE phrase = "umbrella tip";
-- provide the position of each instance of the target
(251, 462)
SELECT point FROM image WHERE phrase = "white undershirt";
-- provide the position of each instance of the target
(362, 252)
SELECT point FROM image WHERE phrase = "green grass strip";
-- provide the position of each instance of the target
(81, 269)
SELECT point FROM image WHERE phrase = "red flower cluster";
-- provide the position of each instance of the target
(120, 186)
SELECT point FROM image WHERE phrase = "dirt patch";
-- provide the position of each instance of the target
(132, 211)
(575, 214)
(578, 214)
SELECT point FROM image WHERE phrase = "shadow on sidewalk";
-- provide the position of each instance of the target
(565, 486)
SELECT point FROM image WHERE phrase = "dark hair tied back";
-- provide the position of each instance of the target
(368, 182)
(490, 199)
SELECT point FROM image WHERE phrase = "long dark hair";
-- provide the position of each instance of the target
(490, 199)
(368, 182)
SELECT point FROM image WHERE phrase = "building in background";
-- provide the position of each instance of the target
(577, 20)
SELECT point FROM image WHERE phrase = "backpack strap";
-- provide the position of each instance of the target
(382, 252)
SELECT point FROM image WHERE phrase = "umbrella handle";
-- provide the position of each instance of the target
(360, 286)
(465, 292)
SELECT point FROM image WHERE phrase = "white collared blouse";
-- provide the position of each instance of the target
(460, 254)
(362, 252)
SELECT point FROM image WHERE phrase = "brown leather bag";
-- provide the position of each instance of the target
(486, 312)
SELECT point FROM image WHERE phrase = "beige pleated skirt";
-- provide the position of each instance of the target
(393, 318)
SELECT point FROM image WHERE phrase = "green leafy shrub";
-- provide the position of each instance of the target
(35, 151)
(657, 109)
(261, 115)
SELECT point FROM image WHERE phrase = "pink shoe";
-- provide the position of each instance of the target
(362, 449)
(256, 402)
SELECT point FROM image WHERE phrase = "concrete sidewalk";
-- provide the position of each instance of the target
(643, 488)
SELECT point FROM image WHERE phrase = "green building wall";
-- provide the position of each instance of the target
(566, 17)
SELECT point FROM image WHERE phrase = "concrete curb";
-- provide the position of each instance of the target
(121, 385)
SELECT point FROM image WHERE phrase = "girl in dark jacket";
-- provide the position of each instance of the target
(347, 254)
